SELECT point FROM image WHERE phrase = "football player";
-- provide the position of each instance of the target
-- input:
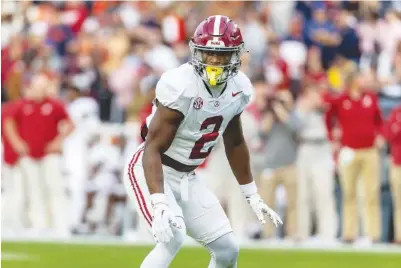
(194, 105)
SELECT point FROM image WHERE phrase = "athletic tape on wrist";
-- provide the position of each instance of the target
(249, 189)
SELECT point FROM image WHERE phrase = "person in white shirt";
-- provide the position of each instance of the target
(315, 170)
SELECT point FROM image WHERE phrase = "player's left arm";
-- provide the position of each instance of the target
(238, 156)
(237, 151)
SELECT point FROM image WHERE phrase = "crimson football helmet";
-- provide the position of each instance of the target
(217, 34)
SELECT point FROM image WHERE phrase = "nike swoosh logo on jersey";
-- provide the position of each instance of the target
(236, 93)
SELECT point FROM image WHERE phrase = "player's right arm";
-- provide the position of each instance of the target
(161, 133)
(172, 107)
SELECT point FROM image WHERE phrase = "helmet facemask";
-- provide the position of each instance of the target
(216, 74)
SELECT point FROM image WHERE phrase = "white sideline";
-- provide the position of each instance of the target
(16, 256)
(257, 245)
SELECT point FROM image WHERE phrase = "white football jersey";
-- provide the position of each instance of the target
(205, 117)
(84, 112)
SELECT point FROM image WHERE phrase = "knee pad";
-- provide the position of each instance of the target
(225, 250)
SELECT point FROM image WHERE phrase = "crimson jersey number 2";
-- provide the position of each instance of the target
(196, 152)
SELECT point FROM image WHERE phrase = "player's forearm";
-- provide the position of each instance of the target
(238, 157)
(152, 166)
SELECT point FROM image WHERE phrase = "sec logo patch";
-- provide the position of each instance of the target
(198, 103)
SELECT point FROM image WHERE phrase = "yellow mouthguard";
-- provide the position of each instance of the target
(213, 73)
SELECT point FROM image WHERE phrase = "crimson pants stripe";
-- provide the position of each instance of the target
(137, 190)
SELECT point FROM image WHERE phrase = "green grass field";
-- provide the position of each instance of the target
(46, 255)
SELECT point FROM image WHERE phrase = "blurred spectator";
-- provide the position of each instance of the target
(358, 115)
(254, 113)
(367, 31)
(276, 71)
(322, 33)
(349, 44)
(315, 75)
(59, 34)
(280, 14)
(12, 70)
(147, 89)
(173, 25)
(33, 131)
(389, 33)
(277, 131)
(389, 74)
(294, 53)
(315, 170)
(255, 38)
(337, 73)
(159, 56)
(74, 15)
(392, 132)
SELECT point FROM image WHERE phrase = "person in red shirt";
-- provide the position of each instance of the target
(36, 130)
(358, 115)
(276, 70)
(392, 132)
(12, 186)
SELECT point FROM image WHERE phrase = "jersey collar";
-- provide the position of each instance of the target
(210, 92)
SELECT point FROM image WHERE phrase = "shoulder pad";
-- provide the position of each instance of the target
(244, 83)
(175, 89)
(179, 80)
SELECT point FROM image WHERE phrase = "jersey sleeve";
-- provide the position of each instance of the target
(172, 97)
(247, 90)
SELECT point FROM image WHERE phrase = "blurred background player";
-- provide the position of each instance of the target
(84, 113)
(104, 200)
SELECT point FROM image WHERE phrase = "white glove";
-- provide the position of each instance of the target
(261, 209)
(258, 205)
(163, 219)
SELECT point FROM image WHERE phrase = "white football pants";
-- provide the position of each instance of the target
(188, 197)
